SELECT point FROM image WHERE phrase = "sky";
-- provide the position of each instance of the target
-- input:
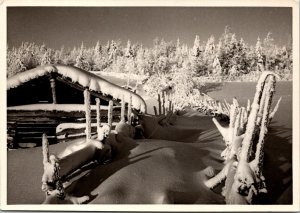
(70, 26)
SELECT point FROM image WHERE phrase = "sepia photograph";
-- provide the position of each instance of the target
(184, 105)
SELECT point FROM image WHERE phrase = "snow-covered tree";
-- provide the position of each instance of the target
(112, 50)
(268, 50)
(210, 47)
(46, 58)
(81, 61)
(217, 69)
(233, 71)
(128, 50)
(141, 62)
(97, 49)
(209, 54)
(196, 50)
(259, 55)
(178, 47)
(163, 57)
(97, 56)
(242, 61)
(226, 36)
(56, 58)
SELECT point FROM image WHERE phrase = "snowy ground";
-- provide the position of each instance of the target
(159, 165)
(155, 170)
(149, 170)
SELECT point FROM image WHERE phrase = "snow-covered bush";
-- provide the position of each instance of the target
(179, 86)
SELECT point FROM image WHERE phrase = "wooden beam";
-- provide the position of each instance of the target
(57, 116)
(129, 110)
(109, 114)
(155, 110)
(53, 89)
(159, 104)
(98, 111)
(163, 103)
(123, 110)
(87, 104)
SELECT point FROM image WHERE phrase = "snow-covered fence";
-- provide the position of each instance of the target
(243, 173)
(57, 168)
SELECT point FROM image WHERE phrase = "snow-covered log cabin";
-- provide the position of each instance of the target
(50, 99)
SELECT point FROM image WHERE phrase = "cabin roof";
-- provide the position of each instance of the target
(83, 78)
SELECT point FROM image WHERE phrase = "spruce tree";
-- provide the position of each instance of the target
(128, 50)
(46, 59)
(259, 55)
(97, 56)
(268, 50)
(81, 61)
(217, 69)
(196, 48)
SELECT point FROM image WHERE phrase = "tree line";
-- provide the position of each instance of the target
(226, 56)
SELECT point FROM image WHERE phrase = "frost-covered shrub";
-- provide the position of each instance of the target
(180, 85)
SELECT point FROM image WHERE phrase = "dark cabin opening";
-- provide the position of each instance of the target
(32, 92)
(66, 94)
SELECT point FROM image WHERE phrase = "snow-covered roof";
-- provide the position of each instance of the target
(84, 78)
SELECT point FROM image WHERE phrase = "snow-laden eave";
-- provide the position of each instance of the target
(83, 78)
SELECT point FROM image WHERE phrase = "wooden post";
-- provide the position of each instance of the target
(53, 89)
(163, 103)
(51, 171)
(250, 127)
(87, 105)
(170, 106)
(109, 114)
(129, 110)
(123, 110)
(258, 160)
(45, 147)
(98, 117)
(261, 105)
(155, 110)
(159, 104)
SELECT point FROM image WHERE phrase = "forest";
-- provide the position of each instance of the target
(227, 58)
